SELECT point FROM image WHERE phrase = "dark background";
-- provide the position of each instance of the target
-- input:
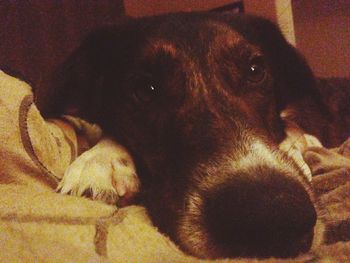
(37, 35)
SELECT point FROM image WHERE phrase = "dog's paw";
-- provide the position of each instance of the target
(106, 172)
(295, 144)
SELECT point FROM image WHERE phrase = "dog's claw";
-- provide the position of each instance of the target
(121, 190)
(105, 172)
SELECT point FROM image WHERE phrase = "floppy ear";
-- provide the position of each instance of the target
(77, 86)
(68, 84)
(293, 77)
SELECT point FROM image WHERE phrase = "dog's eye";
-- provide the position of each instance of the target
(145, 93)
(256, 72)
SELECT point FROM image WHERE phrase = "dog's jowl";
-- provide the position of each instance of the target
(196, 99)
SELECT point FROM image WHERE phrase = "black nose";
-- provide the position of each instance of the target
(267, 214)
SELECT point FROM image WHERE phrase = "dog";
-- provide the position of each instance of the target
(202, 102)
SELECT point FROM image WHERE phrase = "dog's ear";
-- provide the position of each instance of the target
(293, 77)
(76, 85)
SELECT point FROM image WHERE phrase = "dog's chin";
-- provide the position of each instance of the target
(208, 249)
(261, 211)
(201, 244)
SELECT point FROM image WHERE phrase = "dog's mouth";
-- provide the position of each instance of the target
(257, 206)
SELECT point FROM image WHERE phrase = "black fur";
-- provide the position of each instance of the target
(178, 91)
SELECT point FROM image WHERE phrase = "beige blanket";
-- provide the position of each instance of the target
(39, 225)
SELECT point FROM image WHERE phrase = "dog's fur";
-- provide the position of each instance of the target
(197, 99)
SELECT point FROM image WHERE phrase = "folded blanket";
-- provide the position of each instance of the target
(39, 225)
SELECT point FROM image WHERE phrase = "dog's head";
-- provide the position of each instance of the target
(197, 100)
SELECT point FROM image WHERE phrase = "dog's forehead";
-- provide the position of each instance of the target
(220, 33)
(190, 34)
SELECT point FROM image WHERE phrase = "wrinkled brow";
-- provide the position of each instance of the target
(159, 45)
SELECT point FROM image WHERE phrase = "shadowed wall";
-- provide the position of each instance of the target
(36, 35)
(322, 29)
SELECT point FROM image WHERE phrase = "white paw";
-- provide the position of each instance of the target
(312, 141)
(294, 146)
(106, 172)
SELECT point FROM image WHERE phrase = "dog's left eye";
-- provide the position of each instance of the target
(256, 72)
(145, 93)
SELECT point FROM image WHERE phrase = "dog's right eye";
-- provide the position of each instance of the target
(257, 71)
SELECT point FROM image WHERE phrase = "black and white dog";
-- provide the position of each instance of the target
(202, 102)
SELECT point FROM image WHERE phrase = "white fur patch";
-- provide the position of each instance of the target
(258, 154)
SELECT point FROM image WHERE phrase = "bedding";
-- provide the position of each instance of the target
(39, 225)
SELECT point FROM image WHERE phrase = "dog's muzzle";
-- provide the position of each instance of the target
(255, 207)
(268, 216)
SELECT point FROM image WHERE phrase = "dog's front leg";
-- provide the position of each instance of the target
(105, 172)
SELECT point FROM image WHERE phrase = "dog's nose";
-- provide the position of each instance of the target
(268, 214)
